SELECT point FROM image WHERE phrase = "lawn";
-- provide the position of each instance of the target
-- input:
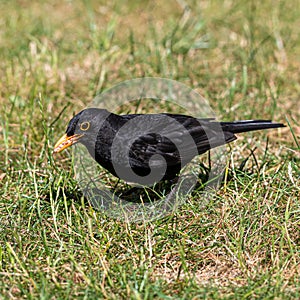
(243, 57)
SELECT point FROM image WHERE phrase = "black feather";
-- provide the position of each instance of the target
(172, 140)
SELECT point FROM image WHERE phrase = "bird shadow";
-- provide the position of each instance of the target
(161, 190)
(145, 194)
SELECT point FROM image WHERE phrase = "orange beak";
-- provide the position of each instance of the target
(65, 142)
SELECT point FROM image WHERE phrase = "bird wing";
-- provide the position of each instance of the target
(174, 139)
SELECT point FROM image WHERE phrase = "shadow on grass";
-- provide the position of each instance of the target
(140, 194)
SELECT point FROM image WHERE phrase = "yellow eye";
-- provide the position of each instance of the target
(84, 126)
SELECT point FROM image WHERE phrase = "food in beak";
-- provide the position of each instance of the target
(66, 141)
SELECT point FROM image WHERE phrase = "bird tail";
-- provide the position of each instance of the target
(249, 125)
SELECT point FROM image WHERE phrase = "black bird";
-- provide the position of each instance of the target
(147, 148)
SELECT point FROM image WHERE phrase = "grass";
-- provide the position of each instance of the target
(55, 57)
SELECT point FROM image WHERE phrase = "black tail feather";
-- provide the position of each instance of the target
(249, 125)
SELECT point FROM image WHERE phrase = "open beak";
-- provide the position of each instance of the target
(65, 142)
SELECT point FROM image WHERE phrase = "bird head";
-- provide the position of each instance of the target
(82, 128)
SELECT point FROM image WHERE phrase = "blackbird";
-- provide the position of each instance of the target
(148, 148)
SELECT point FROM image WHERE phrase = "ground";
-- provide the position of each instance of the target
(242, 56)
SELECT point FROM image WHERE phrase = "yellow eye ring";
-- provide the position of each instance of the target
(84, 126)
